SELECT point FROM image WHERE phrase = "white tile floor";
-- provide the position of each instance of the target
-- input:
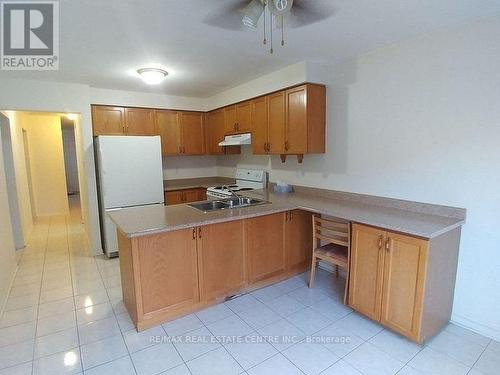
(65, 315)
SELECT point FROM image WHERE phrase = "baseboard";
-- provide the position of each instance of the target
(329, 268)
(4, 301)
(482, 329)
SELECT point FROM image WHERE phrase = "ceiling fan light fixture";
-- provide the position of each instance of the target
(252, 13)
(152, 76)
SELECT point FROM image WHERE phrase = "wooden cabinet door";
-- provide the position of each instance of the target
(174, 197)
(276, 123)
(259, 125)
(192, 134)
(244, 117)
(167, 124)
(169, 270)
(404, 276)
(202, 194)
(191, 195)
(265, 246)
(215, 132)
(140, 121)
(221, 259)
(230, 119)
(108, 120)
(367, 269)
(296, 121)
(298, 240)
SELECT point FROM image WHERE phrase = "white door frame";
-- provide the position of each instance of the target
(10, 176)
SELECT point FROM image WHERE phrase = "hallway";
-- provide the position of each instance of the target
(58, 286)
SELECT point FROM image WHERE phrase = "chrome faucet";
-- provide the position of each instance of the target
(231, 191)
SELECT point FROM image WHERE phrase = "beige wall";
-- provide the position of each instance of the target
(8, 263)
(47, 163)
(23, 193)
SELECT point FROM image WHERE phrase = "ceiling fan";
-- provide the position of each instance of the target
(274, 14)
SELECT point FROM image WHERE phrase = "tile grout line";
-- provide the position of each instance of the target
(41, 283)
(72, 287)
(116, 318)
(480, 355)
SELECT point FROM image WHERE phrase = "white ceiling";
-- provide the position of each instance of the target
(102, 42)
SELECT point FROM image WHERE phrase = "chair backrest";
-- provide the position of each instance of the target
(335, 232)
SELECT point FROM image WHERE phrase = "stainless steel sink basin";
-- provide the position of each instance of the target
(222, 204)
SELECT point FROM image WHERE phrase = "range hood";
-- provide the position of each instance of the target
(237, 139)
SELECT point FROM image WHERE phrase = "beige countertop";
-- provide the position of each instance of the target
(192, 183)
(405, 217)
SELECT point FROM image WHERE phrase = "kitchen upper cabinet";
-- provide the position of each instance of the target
(259, 126)
(215, 132)
(108, 120)
(238, 118)
(298, 240)
(168, 265)
(305, 119)
(404, 277)
(182, 133)
(192, 133)
(167, 124)
(140, 121)
(265, 247)
(221, 259)
(276, 123)
(366, 270)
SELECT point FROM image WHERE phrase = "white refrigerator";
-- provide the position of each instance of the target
(130, 174)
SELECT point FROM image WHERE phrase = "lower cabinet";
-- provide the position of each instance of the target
(168, 274)
(185, 196)
(221, 259)
(403, 282)
(265, 246)
(388, 274)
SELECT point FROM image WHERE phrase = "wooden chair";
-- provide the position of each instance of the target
(336, 250)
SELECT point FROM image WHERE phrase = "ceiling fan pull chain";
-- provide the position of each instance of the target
(265, 39)
(271, 27)
(282, 31)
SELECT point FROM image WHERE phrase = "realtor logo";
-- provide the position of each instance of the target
(30, 35)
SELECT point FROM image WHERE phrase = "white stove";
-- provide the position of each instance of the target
(246, 179)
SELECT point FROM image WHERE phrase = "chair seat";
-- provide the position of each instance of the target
(336, 253)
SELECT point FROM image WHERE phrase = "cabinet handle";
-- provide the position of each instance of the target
(388, 244)
(268, 147)
(287, 145)
(286, 215)
(290, 215)
(194, 233)
(199, 232)
(380, 242)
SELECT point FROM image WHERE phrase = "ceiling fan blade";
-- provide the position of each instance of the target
(306, 12)
(227, 17)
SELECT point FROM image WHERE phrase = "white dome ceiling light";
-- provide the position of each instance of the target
(152, 76)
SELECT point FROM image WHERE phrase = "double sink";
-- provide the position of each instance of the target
(222, 204)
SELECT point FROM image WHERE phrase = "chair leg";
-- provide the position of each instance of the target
(313, 272)
(337, 271)
(346, 289)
